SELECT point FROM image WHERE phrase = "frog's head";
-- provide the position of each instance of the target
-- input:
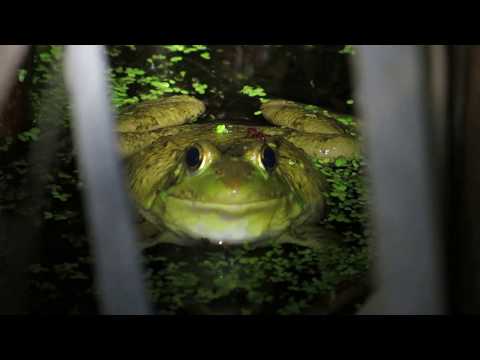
(229, 192)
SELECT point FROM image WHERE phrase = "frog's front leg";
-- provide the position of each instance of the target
(309, 235)
(151, 235)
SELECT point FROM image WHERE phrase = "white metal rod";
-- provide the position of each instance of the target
(391, 93)
(11, 57)
(117, 260)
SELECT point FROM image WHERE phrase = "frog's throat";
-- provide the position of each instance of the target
(230, 223)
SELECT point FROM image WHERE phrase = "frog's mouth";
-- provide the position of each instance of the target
(233, 209)
(229, 223)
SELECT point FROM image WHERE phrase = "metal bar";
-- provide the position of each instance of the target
(15, 244)
(465, 233)
(11, 57)
(117, 261)
(391, 93)
(438, 95)
(440, 92)
(442, 87)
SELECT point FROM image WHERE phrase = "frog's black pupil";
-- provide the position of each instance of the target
(268, 158)
(193, 158)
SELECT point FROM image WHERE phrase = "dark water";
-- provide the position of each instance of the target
(61, 278)
(317, 75)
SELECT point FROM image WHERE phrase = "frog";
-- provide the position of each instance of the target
(230, 184)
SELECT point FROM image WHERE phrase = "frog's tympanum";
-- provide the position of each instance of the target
(229, 184)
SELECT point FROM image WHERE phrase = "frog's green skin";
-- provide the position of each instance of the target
(231, 198)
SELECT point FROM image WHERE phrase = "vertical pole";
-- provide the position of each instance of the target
(15, 239)
(11, 57)
(117, 260)
(391, 93)
(465, 235)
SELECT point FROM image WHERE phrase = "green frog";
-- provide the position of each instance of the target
(230, 184)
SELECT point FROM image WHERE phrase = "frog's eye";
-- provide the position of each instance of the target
(193, 157)
(269, 158)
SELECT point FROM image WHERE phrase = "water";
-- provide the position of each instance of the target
(270, 280)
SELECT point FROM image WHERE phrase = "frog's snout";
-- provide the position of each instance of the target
(232, 173)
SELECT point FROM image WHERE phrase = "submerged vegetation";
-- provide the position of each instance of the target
(275, 279)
